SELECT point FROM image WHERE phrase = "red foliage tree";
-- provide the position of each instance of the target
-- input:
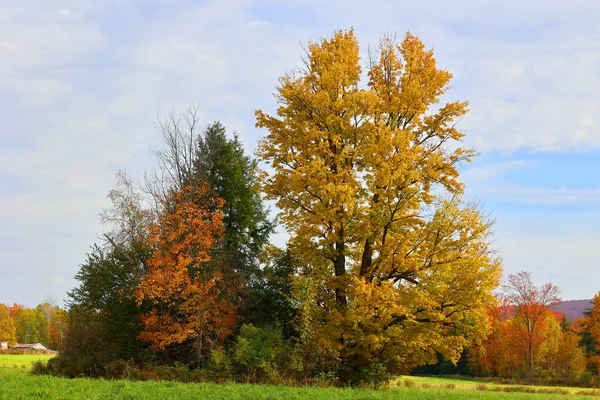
(188, 301)
(531, 308)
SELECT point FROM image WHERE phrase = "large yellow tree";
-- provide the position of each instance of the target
(365, 175)
(8, 332)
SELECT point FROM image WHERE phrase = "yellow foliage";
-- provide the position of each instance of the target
(365, 177)
(8, 331)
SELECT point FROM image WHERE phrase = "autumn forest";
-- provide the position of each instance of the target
(388, 269)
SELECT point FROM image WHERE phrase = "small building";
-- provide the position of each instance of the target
(33, 346)
(3, 345)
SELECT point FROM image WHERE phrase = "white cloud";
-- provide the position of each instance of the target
(536, 195)
(184, 56)
(67, 13)
(54, 279)
(38, 44)
(64, 207)
(82, 89)
(487, 172)
(550, 258)
(33, 92)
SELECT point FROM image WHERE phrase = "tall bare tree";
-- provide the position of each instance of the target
(175, 161)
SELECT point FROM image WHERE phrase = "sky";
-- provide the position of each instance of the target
(82, 83)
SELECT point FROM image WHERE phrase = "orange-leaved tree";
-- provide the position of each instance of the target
(497, 355)
(591, 333)
(506, 351)
(531, 311)
(187, 296)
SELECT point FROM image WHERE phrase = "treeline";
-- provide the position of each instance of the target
(186, 276)
(387, 266)
(529, 342)
(44, 324)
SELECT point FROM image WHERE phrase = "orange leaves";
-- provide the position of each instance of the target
(527, 337)
(592, 321)
(515, 347)
(186, 295)
(590, 325)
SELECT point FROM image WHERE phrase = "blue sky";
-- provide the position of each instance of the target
(82, 83)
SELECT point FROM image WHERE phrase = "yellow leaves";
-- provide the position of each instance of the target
(334, 65)
(8, 331)
(361, 172)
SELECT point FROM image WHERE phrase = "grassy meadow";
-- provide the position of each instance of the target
(425, 382)
(15, 383)
(21, 361)
(19, 385)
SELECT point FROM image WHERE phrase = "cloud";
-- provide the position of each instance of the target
(38, 36)
(555, 196)
(486, 172)
(35, 92)
(81, 83)
(548, 257)
(54, 279)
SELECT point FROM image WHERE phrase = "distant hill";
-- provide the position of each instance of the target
(573, 309)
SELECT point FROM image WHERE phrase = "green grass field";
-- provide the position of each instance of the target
(15, 383)
(22, 361)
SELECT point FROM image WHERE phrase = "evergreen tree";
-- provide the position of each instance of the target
(221, 162)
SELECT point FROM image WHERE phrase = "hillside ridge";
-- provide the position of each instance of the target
(572, 309)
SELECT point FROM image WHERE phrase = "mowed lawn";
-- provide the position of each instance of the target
(22, 361)
(17, 384)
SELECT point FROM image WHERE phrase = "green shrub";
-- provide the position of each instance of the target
(57, 366)
(218, 367)
(180, 373)
(39, 368)
(197, 375)
(73, 367)
(119, 369)
(372, 375)
(162, 372)
(261, 354)
(585, 378)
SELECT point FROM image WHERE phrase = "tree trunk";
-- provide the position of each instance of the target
(367, 257)
(199, 347)
(340, 271)
(530, 371)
